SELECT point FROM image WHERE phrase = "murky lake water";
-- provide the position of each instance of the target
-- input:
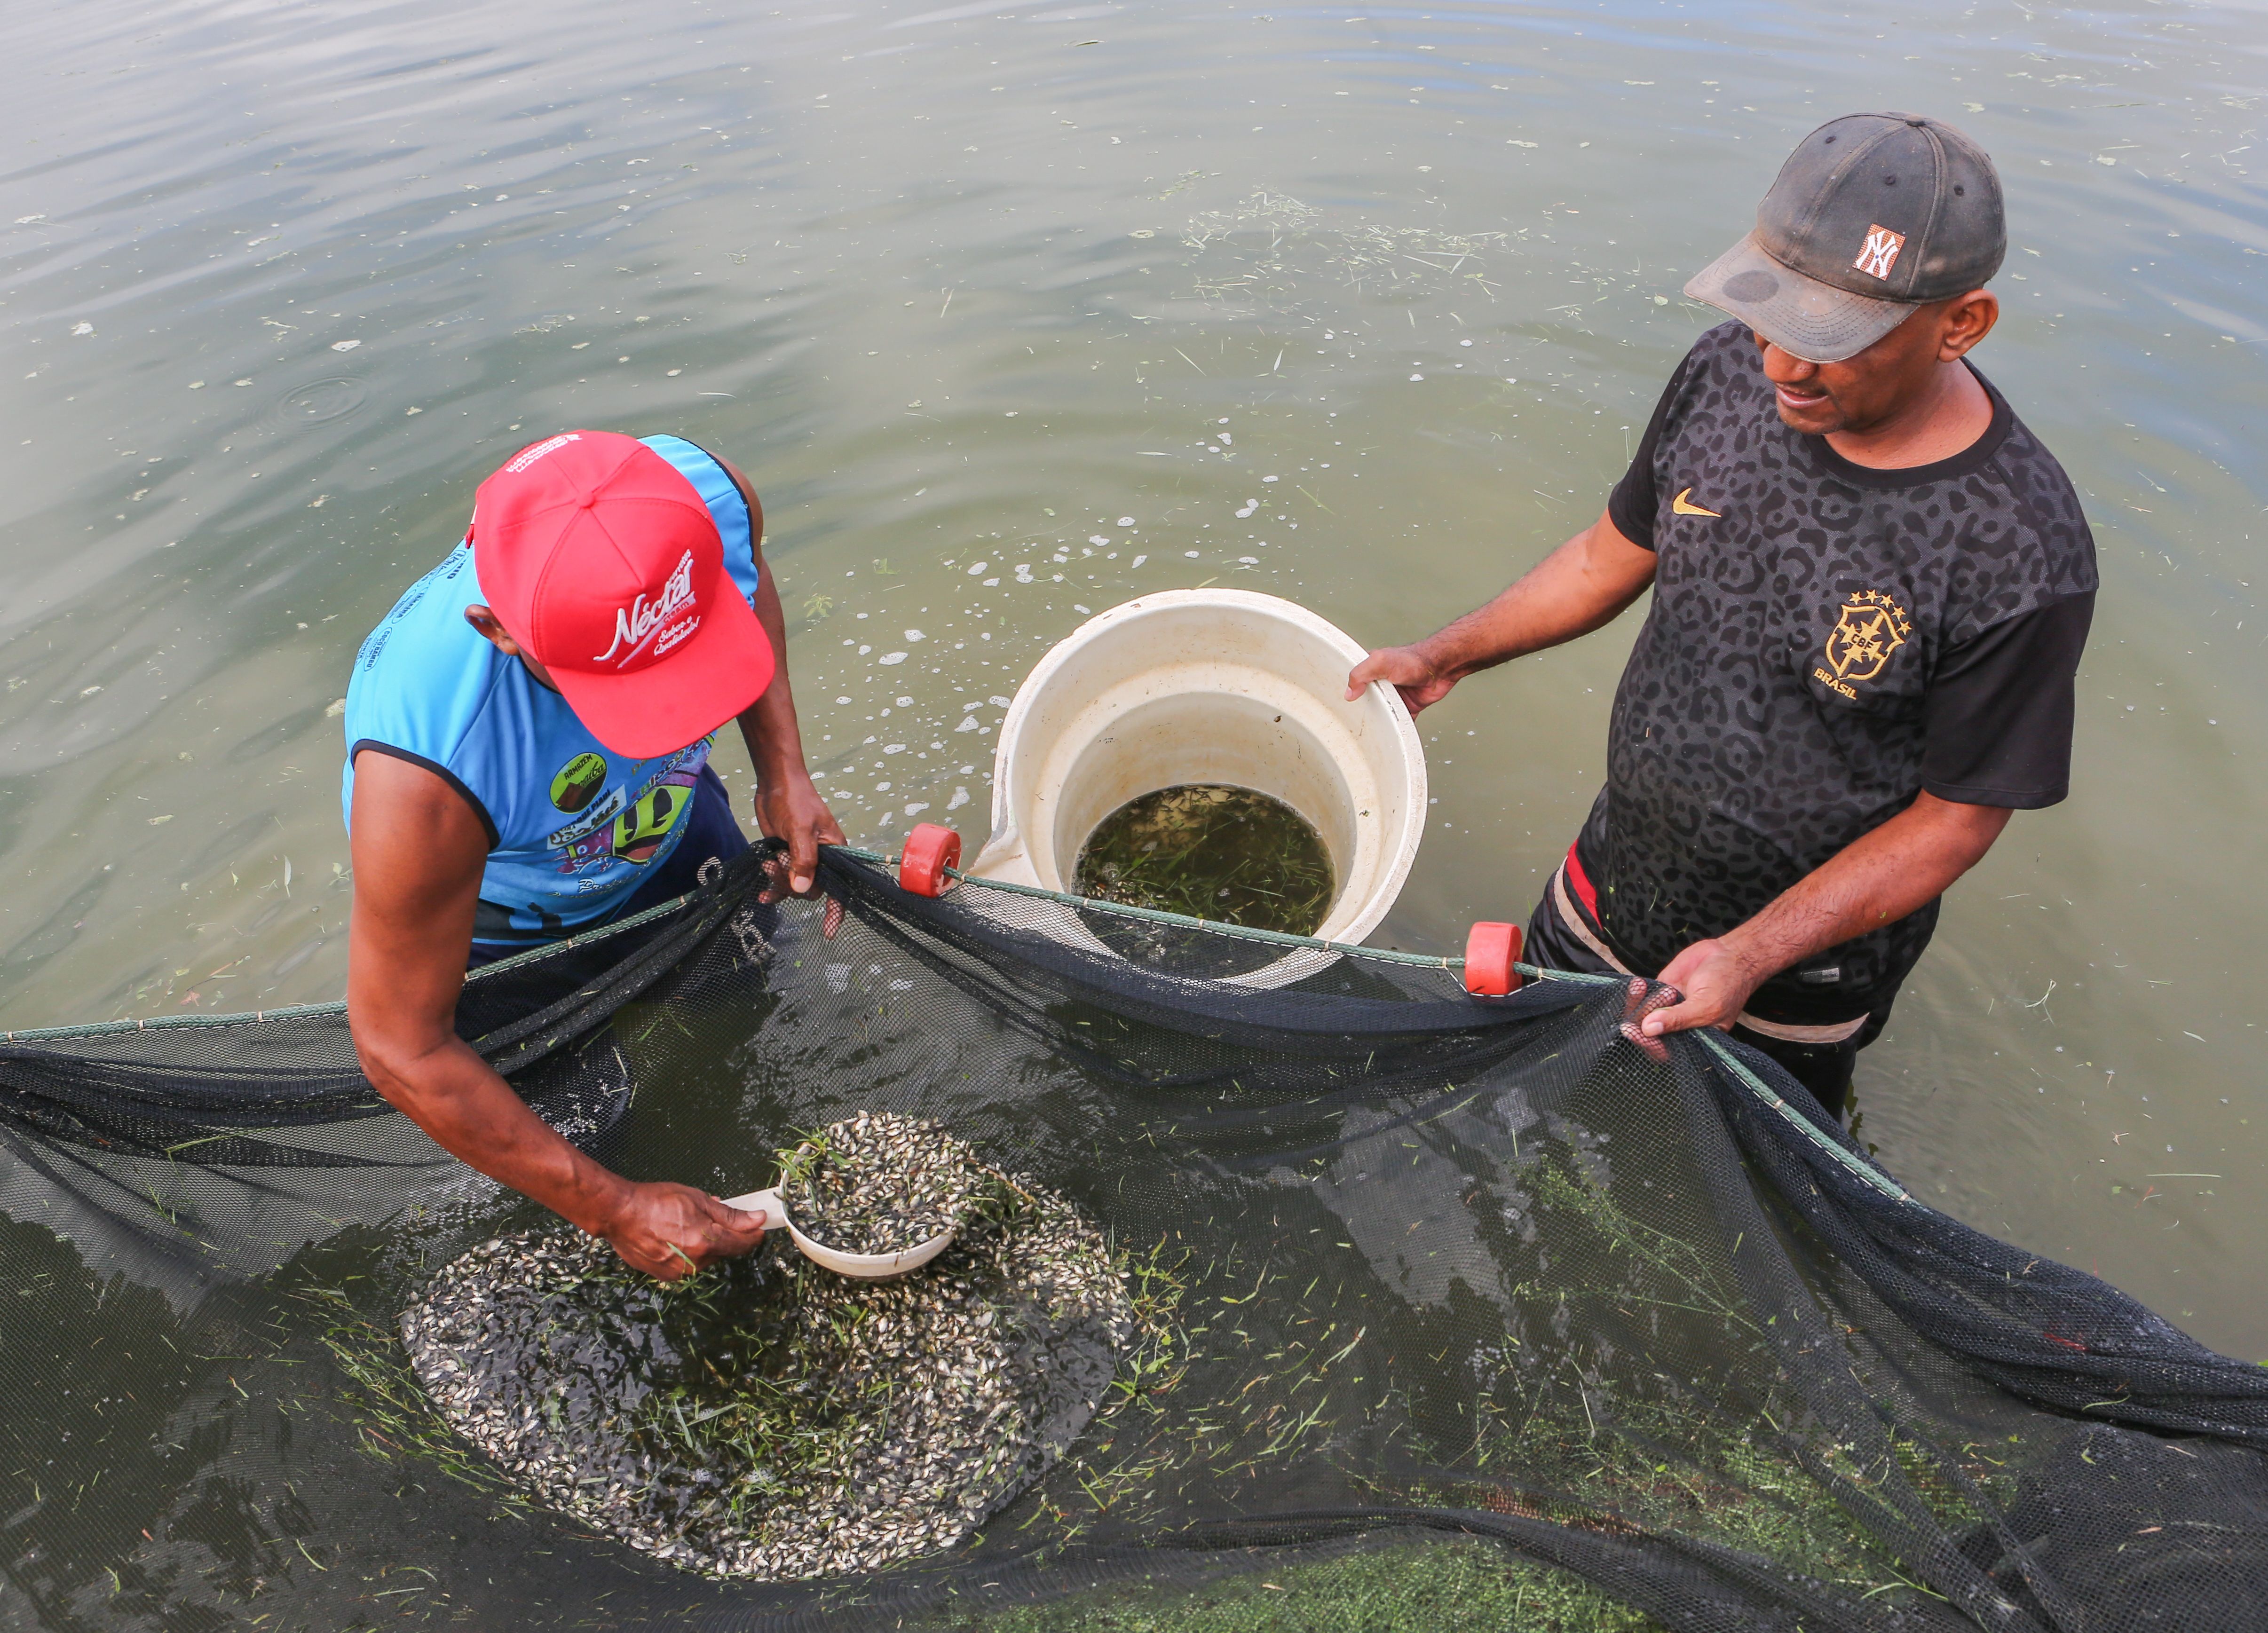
(1014, 313)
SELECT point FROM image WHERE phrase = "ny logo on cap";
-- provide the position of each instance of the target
(1880, 253)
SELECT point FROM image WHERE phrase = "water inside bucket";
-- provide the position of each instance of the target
(1211, 852)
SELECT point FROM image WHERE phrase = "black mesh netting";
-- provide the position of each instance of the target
(1471, 1313)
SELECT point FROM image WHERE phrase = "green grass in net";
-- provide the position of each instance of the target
(1239, 1376)
(1210, 851)
(380, 1393)
(756, 1423)
(1660, 1271)
(1426, 1588)
(1596, 1436)
(1589, 1455)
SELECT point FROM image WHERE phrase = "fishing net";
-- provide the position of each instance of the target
(1455, 1313)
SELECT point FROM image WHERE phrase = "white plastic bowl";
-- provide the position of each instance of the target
(864, 1267)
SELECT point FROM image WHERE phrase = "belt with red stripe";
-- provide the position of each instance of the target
(1584, 921)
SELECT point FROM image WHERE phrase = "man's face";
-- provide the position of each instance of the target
(1867, 390)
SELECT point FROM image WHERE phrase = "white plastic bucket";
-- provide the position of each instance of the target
(1209, 685)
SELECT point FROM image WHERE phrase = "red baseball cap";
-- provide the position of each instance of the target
(603, 564)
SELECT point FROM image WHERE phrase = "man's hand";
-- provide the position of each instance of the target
(1408, 670)
(1714, 981)
(1875, 880)
(418, 849)
(1585, 583)
(671, 1231)
(789, 807)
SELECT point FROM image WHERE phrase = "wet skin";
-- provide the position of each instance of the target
(419, 850)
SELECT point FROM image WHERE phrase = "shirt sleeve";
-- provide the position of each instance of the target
(728, 507)
(1631, 506)
(1998, 716)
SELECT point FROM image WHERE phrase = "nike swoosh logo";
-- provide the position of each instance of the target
(1679, 506)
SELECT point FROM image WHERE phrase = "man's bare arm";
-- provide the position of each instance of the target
(418, 850)
(788, 806)
(1875, 880)
(1584, 584)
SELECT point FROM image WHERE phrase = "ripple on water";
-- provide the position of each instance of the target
(320, 401)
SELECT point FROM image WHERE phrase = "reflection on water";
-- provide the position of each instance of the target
(1012, 316)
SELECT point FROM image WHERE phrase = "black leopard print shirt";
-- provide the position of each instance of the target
(1825, 640)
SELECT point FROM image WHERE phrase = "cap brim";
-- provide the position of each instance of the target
(719, 671)
(1799, 314)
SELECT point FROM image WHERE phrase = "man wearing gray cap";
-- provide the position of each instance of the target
(1872, 586)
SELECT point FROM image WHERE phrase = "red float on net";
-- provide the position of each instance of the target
(1491, 950)
(929, 850)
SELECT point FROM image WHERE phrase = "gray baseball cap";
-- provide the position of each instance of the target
(1873, 215)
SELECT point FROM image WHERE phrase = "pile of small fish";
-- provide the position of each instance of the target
(768, 1419)
(879, 1183)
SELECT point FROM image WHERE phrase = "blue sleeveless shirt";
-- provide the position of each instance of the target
(573, 829)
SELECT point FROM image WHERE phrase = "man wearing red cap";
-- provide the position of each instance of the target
(528, 756)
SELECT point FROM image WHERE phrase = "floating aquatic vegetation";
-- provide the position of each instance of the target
(881, 1183)
(1273, 243)
(766, 1418)
(1211, 852)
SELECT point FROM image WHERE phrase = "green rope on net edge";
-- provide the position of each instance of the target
(1235, 932)
(1723, 1056)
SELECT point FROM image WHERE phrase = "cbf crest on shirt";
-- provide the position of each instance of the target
(572, 827)
(1867, 635)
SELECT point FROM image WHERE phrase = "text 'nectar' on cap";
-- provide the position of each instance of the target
(604, 565)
